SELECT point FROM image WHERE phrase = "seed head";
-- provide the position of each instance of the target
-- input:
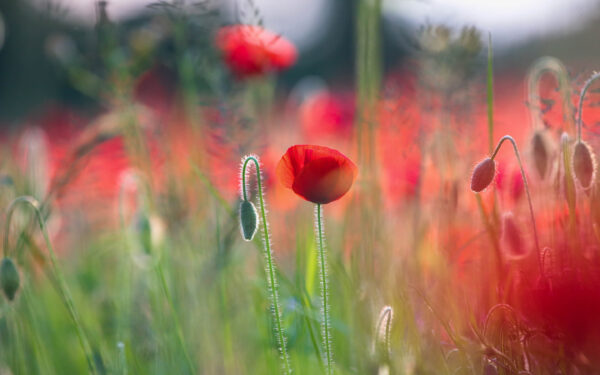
(9, 278)
(540, 154)
(483, 174)
(584, 165)
(248, 220)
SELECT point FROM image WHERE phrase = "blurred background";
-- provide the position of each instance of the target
(35, 33)
(127, 121)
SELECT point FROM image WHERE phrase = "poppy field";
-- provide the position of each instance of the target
(195, 199)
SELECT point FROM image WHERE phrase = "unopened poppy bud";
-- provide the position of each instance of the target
(483, 174)
(248, 220)
(143, 231)
(540, 154)
(9, 278)
(512, 240)
(584, 165)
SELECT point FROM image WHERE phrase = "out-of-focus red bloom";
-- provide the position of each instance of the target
(156, 88)
(510, 183)
(316, 173)
(252, 51)
(325, 114)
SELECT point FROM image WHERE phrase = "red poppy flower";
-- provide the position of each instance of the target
(252, 51)
(316, 173)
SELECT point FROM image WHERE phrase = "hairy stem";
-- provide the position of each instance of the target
(62, 284)
(526, 186)
(324, 294)
(271, 275)
(540, 67)
(584, 90)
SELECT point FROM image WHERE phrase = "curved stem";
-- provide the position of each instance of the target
(526, 186)
(324, 293)
(271, 275)
(383, 330)
(584, 90)
(540, 67)
(62, 284)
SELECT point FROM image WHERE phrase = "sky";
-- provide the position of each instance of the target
(510, 21)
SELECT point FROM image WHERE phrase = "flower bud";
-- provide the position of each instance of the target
(143, 231)
(540, 154)
(512, 241)
(248, 220)
(483, 174)
(9, 278)
(584, 165)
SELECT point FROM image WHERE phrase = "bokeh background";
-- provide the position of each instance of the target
(123, 119)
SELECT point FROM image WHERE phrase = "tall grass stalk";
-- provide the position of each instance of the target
(61, 283)
(270, 267)
(179, 332)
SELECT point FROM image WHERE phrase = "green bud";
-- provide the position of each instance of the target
(9, 278)
(248, 220)
(143, 232)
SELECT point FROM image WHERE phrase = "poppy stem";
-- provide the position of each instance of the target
(534, 76)
(526, 186)
(324, 293)
(271, 275)
(62, 284)
(584, 90)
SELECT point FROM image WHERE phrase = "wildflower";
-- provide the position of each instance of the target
(483, 174)
(584, 165)
(540, 154)
(316, 173)
(248, 220)
(9, 278)
(512, 240)
(253, 51)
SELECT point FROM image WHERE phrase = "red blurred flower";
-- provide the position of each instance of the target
(156, 88)
(251, 50)
(316, 173)
(325, 114)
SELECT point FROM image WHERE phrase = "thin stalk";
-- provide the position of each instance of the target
(324, 294)
(383, 331)
(122, 359)
(526, 186)
(555, 67)
(62, 284)
(179, 332)
(490, 94)
(586, 86)
(271, 275)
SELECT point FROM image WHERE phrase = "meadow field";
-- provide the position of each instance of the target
(194, 199)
